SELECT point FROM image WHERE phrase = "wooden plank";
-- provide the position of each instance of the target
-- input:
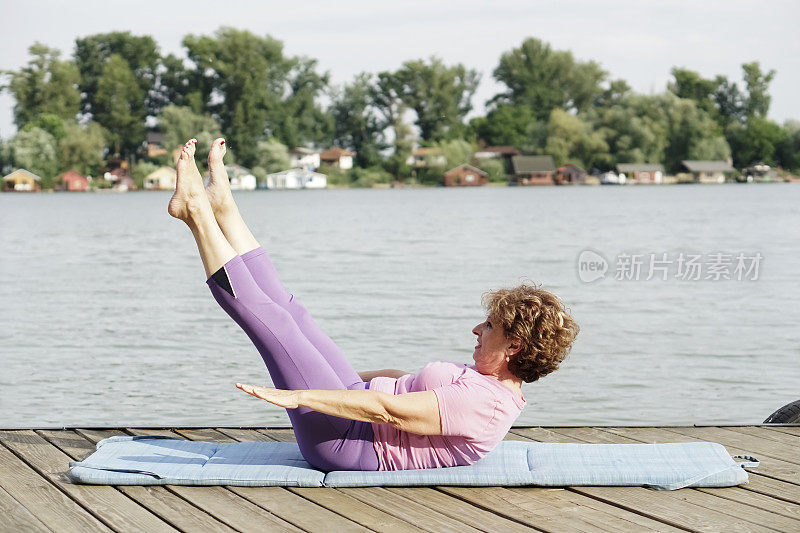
(15, 517)
(280, 435)
(548, 510)
(685, 508)
(675, 510)
(459, 509)
(754, 499)
(331, 500)
(593, 435)
(769, 433)
(49, 505)
(171, 508)
(362, 513)
(108, 504)
(297, 510)
(737, 494)
(791, 430)
(226, 506)
(612, 515)
(404, 508)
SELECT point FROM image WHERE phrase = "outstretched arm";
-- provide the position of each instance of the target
(415, 412)
(385, 373)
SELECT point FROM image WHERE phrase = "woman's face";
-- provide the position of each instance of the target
(492, 349)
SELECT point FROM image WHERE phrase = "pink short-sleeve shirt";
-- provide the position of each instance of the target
(476, 411)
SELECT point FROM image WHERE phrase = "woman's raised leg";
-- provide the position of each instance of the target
(190, 204)
(292, 361)
(258, 262)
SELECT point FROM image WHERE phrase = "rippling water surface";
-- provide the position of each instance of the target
(106, 318)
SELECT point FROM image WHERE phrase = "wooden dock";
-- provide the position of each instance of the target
(35, 494)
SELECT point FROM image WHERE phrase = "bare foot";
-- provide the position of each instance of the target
(189, 194)
(218, 189)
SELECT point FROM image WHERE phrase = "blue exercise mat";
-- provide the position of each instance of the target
(166, 461)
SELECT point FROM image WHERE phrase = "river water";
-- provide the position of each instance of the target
(106, 318)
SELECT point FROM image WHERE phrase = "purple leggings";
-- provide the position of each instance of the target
(298, 355)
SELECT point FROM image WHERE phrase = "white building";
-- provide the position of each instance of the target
(297, 178)
(337, 157)
(241, 178)
(162, 179)
(304, 158)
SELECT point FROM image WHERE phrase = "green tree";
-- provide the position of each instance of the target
(300, 119)
(119, 106)
(505, 125)
(634, 128)
(386, 98)
(456, 152)
(691, 131)
(691, 85)
(440, 95)
(52, 124)
(571, 140)
(542, 79)
(358, 124)
(46, 85)
(729, 101)
(181, 124)
(755, 141)
(34, 150)
(141, 56)
(757, 84)
(177, 84)
(82, 149)
(710, 149)
(271, 156)
(495, 168)
(788, 150)
(263, 93)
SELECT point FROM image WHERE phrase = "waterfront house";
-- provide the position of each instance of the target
(22, 180)
(241, 178)
(465, 176)
(426, 157)
(337, 157)
(644, 173)
(533, 170)
(570, 175)
(708, 171)
(161, 179)
(305, 158)
(71, 181)
(297, 178)
(760, 173)
(155, 144)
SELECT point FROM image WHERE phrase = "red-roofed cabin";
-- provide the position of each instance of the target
(465, 176)
(570, 175)
(71, 181)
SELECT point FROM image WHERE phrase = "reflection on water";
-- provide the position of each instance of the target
(107, 319)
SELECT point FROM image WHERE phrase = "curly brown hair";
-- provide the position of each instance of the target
(539, 321)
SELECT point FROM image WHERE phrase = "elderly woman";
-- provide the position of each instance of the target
(446, 414)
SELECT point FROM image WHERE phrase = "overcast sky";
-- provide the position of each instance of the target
(639, 41)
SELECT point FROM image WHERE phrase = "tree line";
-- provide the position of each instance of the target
(78, 112)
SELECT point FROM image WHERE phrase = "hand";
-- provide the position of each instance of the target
(282, 398)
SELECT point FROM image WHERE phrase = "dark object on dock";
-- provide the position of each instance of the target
(36, 496)
(788, 414)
